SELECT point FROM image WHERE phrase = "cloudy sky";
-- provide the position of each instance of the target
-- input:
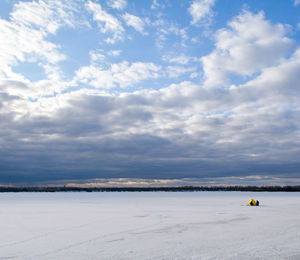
(158, 89)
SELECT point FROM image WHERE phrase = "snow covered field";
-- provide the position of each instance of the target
(154, 225)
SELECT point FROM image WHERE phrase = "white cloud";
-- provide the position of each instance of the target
(165, 29)
(201, 11)
(24, 37)
(194, 75)
(296, 2)
(97, 55)
(278, 84)
(155, 5)
(250, 44)
(117, 4)
(114, 53)
(180, 59)
(125, 74)
(106, 22)
(134, 21)
(121, 74)
(46, 15)
(177, 71)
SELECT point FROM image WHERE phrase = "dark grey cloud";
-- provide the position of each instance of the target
(112, 137)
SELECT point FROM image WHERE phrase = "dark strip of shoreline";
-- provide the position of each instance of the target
(151, 189)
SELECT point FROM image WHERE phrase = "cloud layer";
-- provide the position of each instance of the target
(231, 112)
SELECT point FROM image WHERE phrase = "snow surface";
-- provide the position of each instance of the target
(149, 225)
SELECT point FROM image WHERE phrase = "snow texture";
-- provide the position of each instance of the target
(153, 225)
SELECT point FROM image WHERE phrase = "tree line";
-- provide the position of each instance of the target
(295, 188)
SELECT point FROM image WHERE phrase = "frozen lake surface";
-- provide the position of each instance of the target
(150, 225)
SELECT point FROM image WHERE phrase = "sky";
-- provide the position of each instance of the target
(154, 91)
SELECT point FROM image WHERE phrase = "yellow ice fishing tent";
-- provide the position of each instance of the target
(251, 202)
